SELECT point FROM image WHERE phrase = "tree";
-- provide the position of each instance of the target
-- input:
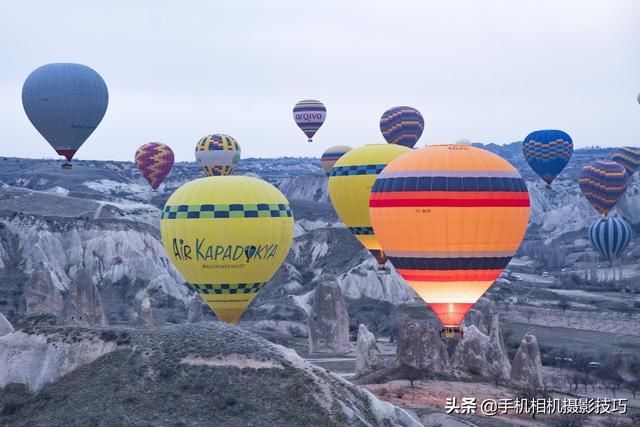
(633, 386)
(410, 373)
(563, 303)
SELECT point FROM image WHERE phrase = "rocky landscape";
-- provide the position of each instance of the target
(80, 254)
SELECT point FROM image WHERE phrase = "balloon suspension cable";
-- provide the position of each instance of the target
(449, 332)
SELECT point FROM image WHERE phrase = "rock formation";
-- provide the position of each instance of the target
(496, 355)
(5, 326)
(470, 353)
(186, 374)
(328, 320)
(481, 354)
(194, 310)
(35, 360)
(526, 369)
(142, 315)
(368, 355)
(421, 347)
(83, 305)
(476, 318)
(41, 294)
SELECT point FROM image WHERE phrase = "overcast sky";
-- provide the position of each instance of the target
(484, 70)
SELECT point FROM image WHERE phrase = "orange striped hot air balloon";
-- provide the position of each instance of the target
(449, 218)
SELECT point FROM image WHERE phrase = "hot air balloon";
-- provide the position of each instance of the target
(547, 152)
(65, 103)
(610, 237)
(603, 183)
(217, 154)
(350, 183)
(227, 236)
(331, 156)
(449, 218)
(155, 161)
(402, 126)
(629, 157)
(309, 115)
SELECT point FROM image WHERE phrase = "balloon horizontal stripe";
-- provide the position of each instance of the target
(259, 210)
(331, 156)
(451, 263)
(356, 170)
(227, 288)
(449, 173)
(450, 201)
(474, 253)
(448, 275)
(363, 231)
(449, 184)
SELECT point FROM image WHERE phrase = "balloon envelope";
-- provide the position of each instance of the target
(547, 152)
(602, 183)
(309, 115)
(610, 237)
(331, 156)
(402, 126)
(217, 154)
(350, 182)
(65, 103)
(629, 157)
(155, 161)
(449, 218)
(227, 236)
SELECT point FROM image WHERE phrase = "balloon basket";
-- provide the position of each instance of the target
(309, 140)
(450, 332)
(66, 165)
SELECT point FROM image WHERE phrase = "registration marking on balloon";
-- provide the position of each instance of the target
(449, 218)
(227, 236)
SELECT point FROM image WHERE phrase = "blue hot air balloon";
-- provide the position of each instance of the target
(547, 152)
(402, 126)
(610, 237)
(65, 103)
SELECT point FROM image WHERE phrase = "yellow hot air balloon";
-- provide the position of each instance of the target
(450, 217)
(350, 182)
(227, 236)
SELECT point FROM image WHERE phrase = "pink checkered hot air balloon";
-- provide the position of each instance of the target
(155, 161)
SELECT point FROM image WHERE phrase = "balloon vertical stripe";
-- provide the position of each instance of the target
(610, 237)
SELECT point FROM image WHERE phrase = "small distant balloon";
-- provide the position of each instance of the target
(155, 161)
(331, 156)
(217, 154)
(65, 103)
(610, 237)
(629, 157)
(602, 183)
(547, 152)
(402, 125)
(309, 115)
